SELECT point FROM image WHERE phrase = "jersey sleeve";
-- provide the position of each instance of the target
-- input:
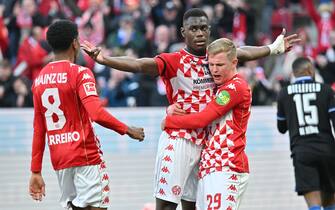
(101, 116)
(331, 100)
(331, 106)
(280, 106)
(225, 100)
(161, 64)
(281, 117)
(86, 88)
(167, 64)
(38, 144)
(85, 83)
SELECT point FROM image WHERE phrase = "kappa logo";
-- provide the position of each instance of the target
(81, 68)
(106, 200)
(163, 180)
(102, 165)
(231, 198)
(233, 177)
(106, 188)
(105, 177)
(167, 158)
(165, 170)
(86, 76)
(161, 191)
(232, 188)
(231, 86)
(169, 147)
(90, 89)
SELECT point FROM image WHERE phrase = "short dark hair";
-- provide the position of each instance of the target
(194, 12)
(61, 34)
(301, 64)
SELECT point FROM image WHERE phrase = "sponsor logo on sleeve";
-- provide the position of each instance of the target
(90, 89)
(231, 86)
(86, 76)
(81, 68)
(223, 98)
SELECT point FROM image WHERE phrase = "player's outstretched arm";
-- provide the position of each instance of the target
(281, 45)
(142, 65)
(36, 186)
(136, 133)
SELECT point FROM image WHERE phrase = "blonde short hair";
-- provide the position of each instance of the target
(222, 45)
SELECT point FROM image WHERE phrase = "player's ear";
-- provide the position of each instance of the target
(75, 44)
(235, 61)
(182, 30)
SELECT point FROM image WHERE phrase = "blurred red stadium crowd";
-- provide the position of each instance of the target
(145, 28)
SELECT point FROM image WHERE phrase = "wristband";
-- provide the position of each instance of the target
(278, 46)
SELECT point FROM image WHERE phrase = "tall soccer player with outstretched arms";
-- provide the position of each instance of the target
(224, 168)
(65, 104)
(189, 86)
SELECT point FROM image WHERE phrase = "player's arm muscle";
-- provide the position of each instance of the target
(142, 65)
(247, 53)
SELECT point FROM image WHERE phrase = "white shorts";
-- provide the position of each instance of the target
(221, 190)
(84, 186)
(176, 170)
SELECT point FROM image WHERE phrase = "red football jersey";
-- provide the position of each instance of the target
(60, 119)
(227, 117)
(188, 83)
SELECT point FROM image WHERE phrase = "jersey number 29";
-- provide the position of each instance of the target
(53, 108)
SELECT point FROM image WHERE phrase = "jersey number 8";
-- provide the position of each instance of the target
(53, 108)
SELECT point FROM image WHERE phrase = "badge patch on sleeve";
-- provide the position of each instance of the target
(223, 98)
(90, 89)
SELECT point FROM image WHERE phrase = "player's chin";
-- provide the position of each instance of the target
(200, 46)
(218, 81)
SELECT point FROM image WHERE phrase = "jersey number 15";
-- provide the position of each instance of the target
(307, 114)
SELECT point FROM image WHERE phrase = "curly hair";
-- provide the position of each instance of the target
(61, 34)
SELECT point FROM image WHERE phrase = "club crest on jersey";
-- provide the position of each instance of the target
(223, 98)
(176, 190)
(90, 89)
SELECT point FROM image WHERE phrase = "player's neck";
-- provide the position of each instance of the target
(64, 56)
(196, 53)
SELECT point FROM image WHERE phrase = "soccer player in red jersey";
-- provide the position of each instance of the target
(65, 104)
(224, 168)
(189, 86)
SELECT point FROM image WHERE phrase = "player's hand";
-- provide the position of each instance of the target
(93, 51)
(175, 109)
(290, 41)
(136, 133)
(163, 124)
(283, 44)
(36, 186)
